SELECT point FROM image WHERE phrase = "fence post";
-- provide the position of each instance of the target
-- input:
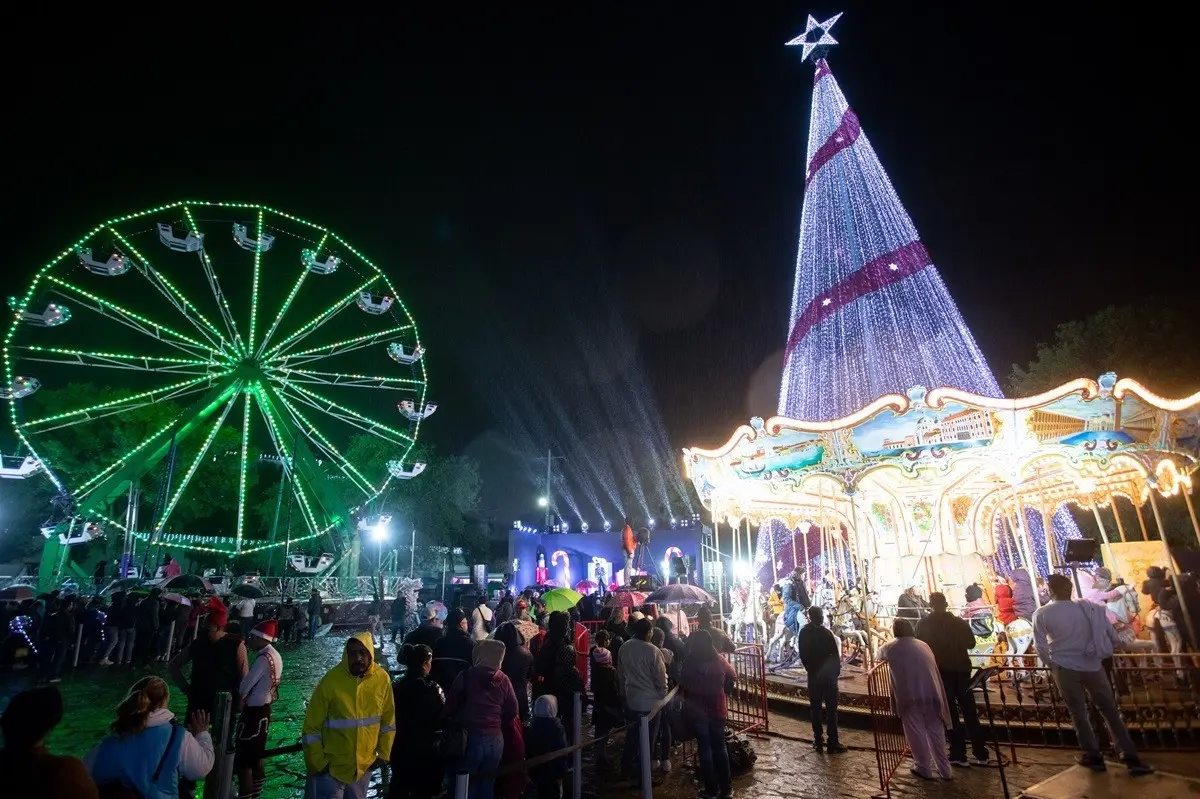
(644, 746)
(78, 644)
(219, 781)
(577, 755)
(462, 782)
(171, 640)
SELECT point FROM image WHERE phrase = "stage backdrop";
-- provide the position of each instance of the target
(575, 555)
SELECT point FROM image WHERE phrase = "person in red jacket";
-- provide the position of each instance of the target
(1006, 610)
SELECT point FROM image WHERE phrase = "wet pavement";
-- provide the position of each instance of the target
(787, 768)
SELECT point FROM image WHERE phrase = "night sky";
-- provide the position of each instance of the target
(601, 211)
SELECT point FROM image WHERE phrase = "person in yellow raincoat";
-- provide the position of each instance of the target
(350, 724)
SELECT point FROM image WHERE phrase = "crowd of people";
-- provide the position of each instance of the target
(489, 692)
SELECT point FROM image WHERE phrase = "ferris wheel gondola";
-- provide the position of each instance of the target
(201, 330)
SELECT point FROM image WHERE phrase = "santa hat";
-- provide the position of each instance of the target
(268, 629)
(217, 612)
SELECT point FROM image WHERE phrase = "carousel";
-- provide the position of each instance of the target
(934, 490)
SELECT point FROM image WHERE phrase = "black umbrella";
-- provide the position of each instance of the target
(249, 591)
(123, 585)
(186, 582)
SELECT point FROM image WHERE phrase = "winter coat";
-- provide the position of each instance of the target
(131, 760)
(1005, 609)
(427, 633)
(451, 657)
(351, 720)
(544, 736)
(490, 702)
(1023, 596)
(419, 702)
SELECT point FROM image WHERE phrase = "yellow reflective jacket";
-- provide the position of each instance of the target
(351, 721)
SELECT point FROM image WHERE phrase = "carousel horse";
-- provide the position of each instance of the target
(846, 622)
(987, 637)
(1018, 650)
(1163, 622)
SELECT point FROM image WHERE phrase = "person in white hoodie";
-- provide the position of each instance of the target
(146, 751)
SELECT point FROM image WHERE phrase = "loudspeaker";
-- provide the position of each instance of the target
(1080, 550)
(678, 566)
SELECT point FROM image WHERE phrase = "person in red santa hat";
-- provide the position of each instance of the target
(259, 689)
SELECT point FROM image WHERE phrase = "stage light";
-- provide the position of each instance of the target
(607, 526)
(543, 502)
(651, 525)
(379, 533)
(584, 527)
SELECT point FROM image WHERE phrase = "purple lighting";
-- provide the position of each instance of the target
(859, 328)
(870, 313)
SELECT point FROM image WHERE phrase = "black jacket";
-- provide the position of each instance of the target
(419, 703)
(798, 592)
(950, 638)
(817, 647)
(518, 667)
(543, 737)
(426, 633)
(451, 657)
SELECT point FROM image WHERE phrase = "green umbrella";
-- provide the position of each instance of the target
(561, 599)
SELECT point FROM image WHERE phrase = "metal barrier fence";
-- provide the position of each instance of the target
(1157, 696)
(890, 745)
(748, 703)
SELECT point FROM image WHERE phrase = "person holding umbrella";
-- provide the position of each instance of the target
(249, 594)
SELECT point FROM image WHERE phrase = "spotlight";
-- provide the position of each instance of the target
(584, 527)
(607, 525)
(543, 502)
(566, 528)
(651, 524)
(517, 524)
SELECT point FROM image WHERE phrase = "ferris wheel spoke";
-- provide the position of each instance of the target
(195, 464)
(100, 410)
(241, 513)
(84, 489)
(320, 319)
(347, 415)
(130, 319)
(288, 458)
(258, 251)
(172, 294)
(214, 286)
(319, 440)
(114, 360)
(342, 347)
(345, 381)
(287, 303)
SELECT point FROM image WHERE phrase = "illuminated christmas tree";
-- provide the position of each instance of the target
(870, 313)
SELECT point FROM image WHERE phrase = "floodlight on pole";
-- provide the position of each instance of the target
(543, 502)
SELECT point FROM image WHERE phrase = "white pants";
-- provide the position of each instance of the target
(323, 786)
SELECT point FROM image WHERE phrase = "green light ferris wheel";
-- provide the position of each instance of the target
(242, 317)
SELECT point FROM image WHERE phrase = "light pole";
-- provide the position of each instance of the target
(412, 560)
(379, 534)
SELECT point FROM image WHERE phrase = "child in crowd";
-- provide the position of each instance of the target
(546, 735)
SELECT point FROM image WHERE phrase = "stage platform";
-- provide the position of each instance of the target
(1115, 783)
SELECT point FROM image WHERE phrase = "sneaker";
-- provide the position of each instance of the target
(54, 680)
(916, 772)
(666, 767)
(1137, 768)
(655, 765)
(817, 746)
(836, 749)
(961, 762)
(105, 662)
(981, 761)
(726, 794)
(1094, 762)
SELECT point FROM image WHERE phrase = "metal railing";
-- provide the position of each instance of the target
(891, 747)
(748, 703)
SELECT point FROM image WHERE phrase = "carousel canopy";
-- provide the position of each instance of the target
(945, 463)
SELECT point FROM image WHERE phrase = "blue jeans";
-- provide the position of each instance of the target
(125, 641)
(323, 786)
(823, 693)
(482, 757)
(629, 757)
(714, 757)
(314, 621)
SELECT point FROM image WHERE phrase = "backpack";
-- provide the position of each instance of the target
(741, 754)
(114, 789)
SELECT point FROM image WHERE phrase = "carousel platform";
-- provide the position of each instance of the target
(1160, 707)
(1078, 782)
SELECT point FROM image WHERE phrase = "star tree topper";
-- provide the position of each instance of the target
(816, 36)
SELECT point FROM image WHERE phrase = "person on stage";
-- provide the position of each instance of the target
(258, 689)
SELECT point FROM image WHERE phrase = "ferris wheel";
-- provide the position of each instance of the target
(227, 318)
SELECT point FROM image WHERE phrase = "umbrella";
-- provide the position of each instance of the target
(585, 586)
(561, 599)
(249, 591)
(527, 629)
(682, 593)
(187, 582)
(16, 593)
(123, 585)
(438, 608)
(625, 599)
(178, 599)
